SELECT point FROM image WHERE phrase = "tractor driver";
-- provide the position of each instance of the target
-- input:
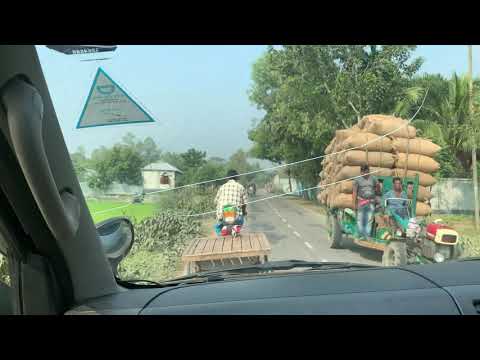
(397, 206)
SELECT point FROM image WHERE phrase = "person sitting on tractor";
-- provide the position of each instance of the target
(232, 193)
(364, 191)
(396, 201)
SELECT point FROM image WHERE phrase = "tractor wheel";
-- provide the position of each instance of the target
(395, 254)
(335, 234)
(458, 251)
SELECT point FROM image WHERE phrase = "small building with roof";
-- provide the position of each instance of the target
(159, 176)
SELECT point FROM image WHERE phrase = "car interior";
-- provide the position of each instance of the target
(59, 263)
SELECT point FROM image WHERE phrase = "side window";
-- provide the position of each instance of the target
(4, 273)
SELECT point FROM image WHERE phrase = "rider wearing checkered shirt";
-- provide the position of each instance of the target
(231, 193)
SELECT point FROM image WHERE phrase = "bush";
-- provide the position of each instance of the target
(159, 243)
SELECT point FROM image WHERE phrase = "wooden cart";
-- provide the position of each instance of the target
(205, 254)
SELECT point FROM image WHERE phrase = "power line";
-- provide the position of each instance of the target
(283, 165)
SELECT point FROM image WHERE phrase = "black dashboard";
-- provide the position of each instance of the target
(439, 289)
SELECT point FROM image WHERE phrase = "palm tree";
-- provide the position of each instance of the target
(446, 119)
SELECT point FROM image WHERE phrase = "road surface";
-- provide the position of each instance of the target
(297, 232)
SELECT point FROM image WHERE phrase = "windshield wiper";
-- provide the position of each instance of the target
(268, 267)
(225, 272)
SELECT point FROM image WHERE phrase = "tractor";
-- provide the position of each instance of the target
(407, 240)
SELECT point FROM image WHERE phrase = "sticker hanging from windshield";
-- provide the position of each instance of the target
(108, 104)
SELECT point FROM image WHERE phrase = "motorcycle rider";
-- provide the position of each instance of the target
(231, 193)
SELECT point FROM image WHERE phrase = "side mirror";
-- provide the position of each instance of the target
(116, 236)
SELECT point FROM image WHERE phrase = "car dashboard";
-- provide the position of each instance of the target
(438, 289)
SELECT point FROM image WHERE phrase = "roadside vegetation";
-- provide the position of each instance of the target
(161, 238)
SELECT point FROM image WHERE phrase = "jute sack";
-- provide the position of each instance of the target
(330, 146)
(423, 194)
(346, 187)
(374, 158)
(415, 146)
(342, 201)
(344, 134)
(367, 119)
(424, 179)
(417, 162)
(351, 171)
(375, 142)
(423, 209)
(389, 125)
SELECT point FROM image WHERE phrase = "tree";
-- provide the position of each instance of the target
(121, 163)
(449, 123)
(193, 158)
(307, 92)
(173, 159)
(80, 163)
(209, 171)
(239, 162)
(147, 149)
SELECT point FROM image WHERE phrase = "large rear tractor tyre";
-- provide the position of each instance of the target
(395, 254)
(458, 251)
(335, 235)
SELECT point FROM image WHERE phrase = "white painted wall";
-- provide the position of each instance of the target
(452, 195)
(151, 180)
(281, 184)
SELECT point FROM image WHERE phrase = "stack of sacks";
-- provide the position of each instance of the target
(398, 153)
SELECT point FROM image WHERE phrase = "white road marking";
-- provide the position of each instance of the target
(307, 244)
(324, 260)
(289, 226)
(297, 234)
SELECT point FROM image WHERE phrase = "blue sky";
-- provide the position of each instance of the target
(197, 94)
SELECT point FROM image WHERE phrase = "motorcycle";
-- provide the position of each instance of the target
(231, 223)
(251, 190)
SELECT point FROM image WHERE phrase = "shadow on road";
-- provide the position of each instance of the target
(368, 254)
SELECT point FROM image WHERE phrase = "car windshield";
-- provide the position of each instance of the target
(234, 155)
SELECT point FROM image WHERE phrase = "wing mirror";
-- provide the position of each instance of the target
(116, 236)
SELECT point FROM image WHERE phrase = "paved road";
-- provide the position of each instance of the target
(296, 232)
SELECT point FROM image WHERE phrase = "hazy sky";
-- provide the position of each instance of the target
(197, 94)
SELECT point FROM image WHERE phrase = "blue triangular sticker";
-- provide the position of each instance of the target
(108, 104)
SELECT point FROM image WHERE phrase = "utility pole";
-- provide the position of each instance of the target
(474, 147)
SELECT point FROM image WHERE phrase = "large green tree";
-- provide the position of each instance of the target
(307, 92)
(147, 149)
(193, 158)
(121, 163)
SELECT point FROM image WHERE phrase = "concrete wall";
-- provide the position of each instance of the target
(453, 196)
(281, 184)
(151, 180)
(113, 190)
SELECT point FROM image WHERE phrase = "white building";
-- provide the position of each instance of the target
(158, 176)
(281, 183)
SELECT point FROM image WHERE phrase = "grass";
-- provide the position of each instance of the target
(135, 212)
